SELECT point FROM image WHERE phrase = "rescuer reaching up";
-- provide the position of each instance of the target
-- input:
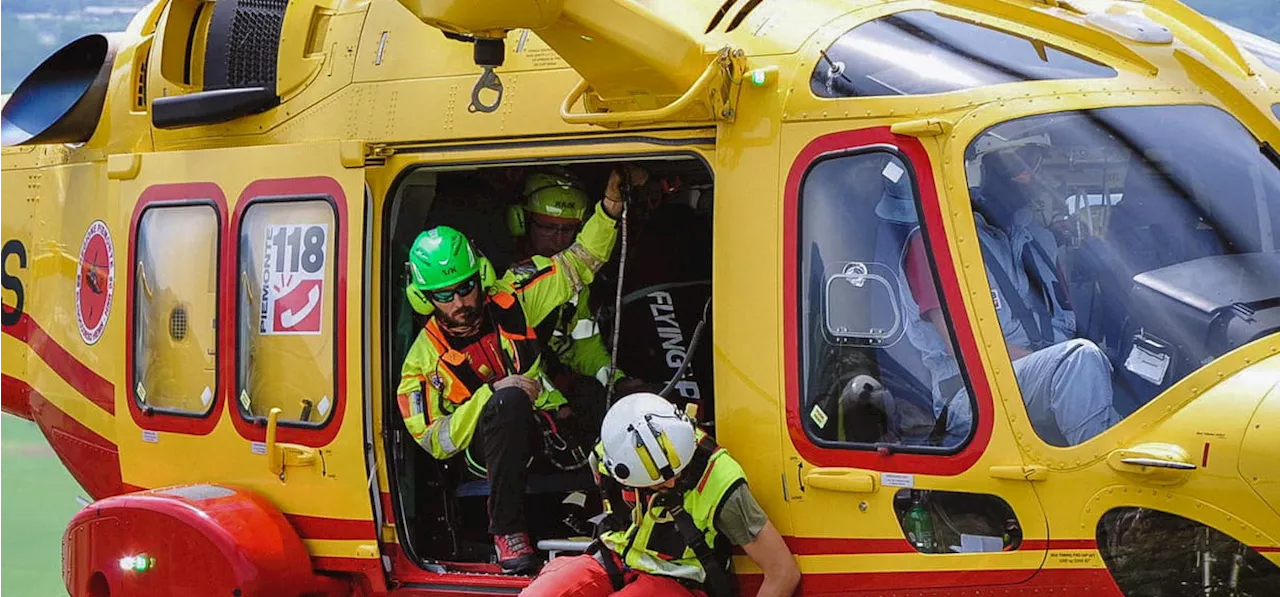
(553, 208)
(473, 380)
(674, 501)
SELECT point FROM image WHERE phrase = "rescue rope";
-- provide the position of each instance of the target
(617, 297)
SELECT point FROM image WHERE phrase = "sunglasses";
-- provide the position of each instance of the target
(447, 294)
(562, 229)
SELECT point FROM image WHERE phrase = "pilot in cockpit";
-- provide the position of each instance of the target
(1065, 381)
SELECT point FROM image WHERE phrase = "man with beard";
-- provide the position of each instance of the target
(1065, 381)
(547, 221)
(473, 383)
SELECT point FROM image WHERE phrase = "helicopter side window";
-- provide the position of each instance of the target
(874, 371)
(175, 309)
(920, 52)
(286, 309)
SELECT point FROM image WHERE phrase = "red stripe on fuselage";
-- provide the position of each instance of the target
(817, 546)
(89, 384)
(336, 529)
(940, 583)
(89, 457)
(13, 397)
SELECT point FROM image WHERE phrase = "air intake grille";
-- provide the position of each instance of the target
(244, 41)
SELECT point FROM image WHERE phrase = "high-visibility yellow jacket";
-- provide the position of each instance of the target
(441, 395)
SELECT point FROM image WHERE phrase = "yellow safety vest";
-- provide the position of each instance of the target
(653, 544)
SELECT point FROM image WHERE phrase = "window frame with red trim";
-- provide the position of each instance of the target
(278, 192)
(880, 456)
(171, 420)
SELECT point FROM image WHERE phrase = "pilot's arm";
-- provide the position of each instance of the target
(566, 273)
(920, 280)
(925, 294)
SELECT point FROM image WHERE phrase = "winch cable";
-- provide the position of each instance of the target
(617, 298)
(693, 347)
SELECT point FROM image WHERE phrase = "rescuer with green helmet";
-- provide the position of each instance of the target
(553, 207)
(472, 384)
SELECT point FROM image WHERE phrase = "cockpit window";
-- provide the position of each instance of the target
(875, 372)
(1125, 248)
(921, 52)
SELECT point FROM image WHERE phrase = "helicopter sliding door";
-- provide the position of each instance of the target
(246, 302)
(899, 474)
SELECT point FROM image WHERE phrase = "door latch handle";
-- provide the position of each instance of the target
(841, 479)
(1158, 464)
(280, 455)
(1019, 473)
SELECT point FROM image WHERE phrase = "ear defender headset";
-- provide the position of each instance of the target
(516, 220)
(422, 305)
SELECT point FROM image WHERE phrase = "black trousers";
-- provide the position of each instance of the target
(508, 434)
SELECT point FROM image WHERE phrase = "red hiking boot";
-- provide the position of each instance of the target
(516, 554)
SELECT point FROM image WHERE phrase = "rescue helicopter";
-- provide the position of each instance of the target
(205, 232)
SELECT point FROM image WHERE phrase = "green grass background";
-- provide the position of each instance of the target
(37, 500)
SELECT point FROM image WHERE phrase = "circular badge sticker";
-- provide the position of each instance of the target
(96, 282)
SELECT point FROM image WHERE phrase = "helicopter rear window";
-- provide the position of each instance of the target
(175, 351)
(921, 52)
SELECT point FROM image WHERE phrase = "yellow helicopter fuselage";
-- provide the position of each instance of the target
(206, 215)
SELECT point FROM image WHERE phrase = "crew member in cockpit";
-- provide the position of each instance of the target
(1065, 381)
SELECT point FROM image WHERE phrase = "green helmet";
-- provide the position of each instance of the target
(556, 195)
(441, 257)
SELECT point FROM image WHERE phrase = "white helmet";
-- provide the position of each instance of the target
(646, 440)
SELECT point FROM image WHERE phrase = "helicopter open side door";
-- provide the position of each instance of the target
(890, 496)
(246, 304)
